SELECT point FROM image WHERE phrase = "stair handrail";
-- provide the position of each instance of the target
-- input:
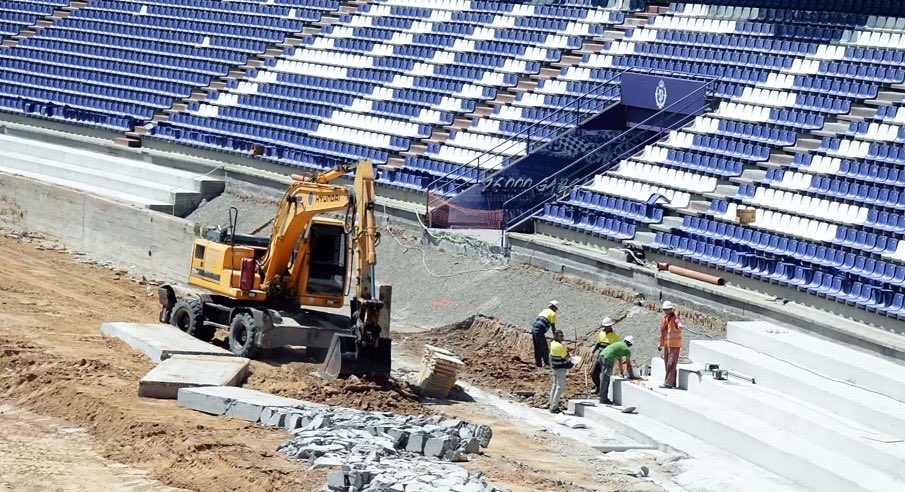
(509, 223)
(512, 140)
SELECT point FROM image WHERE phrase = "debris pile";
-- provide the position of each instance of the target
(380, 451)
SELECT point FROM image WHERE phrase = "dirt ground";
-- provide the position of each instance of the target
(55, 364)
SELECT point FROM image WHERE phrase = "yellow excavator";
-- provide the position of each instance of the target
(280, 290)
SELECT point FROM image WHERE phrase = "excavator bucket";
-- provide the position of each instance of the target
(345, 358)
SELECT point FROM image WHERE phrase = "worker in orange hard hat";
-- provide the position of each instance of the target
(670, 342)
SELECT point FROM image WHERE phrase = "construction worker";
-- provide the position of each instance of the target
(544, 321)
(559, 361)
(608, 358)
(670, 342)
(605, 336)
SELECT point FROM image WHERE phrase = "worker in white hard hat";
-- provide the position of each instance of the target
(545, 320)
(605, 336)
(561, 363)
(608, 358)
(670, 342)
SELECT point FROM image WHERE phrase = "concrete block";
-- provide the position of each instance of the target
(190, 371)
(160, 341)
(273, 416)
(416, 442)
(436, 447)
(243, 403)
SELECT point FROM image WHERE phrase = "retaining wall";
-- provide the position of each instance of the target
(137, 239)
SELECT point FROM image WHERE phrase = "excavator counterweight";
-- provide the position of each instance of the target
(285, 289)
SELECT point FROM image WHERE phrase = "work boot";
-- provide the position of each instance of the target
(555, 410)
(606, 401)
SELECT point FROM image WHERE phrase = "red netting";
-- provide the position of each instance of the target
(446, 214)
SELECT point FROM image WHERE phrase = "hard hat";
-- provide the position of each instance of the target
(607, 322)
(629, 340)
(668, 305)
(554, 303)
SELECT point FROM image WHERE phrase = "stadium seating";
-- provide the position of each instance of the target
(115, 64)
(446, 92)
(378, 83)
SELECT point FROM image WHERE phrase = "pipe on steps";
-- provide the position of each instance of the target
(686, 272)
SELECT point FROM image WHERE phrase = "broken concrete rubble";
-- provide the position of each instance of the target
(379, 451)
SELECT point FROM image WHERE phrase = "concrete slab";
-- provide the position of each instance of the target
(829, 358)
(189, 371)
(241, 403)
(160, 341)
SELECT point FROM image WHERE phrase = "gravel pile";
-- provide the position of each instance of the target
(383, 451)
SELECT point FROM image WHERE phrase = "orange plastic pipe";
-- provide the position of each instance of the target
(686, 272)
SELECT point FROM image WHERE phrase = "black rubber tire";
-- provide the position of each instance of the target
(242, 334)
(188, 316)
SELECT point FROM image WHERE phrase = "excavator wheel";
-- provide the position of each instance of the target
(188, 316)
(242, 334)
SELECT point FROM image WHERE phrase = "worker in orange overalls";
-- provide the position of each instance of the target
(670, 342)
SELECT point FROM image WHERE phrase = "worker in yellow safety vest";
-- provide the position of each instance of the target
(560, 362)
(607, 336)
(670, 342)
(546, 320)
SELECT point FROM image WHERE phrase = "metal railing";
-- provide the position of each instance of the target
(522, 206)
(584, 104)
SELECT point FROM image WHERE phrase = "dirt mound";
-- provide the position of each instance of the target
(294, 380)
(500, 357)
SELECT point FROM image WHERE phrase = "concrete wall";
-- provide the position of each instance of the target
(142, 241)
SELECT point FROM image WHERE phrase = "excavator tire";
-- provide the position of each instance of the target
(188, 316)
(242, 334)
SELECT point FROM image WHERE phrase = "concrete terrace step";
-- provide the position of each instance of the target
(94, 190)
(717, 468)
(777, 450)
(808, 422)
(77, 175)
(206, 185)
(870, 409)
(828, 358)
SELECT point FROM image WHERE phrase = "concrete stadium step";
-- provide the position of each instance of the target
(206, 185)
(863, 406)
(831, 359)
(75, 176)
(784, 453)
(811, 423)
(94, 190)
(709, 464)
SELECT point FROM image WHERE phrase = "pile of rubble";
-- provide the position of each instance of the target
(383, 451)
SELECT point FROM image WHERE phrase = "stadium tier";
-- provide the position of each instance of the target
(793, 173)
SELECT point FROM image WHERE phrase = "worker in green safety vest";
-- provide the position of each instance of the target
(608, 358)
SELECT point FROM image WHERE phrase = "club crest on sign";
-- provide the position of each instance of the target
(660, 95)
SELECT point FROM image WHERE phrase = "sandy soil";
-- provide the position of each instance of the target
(43, 453)
(55, 363)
